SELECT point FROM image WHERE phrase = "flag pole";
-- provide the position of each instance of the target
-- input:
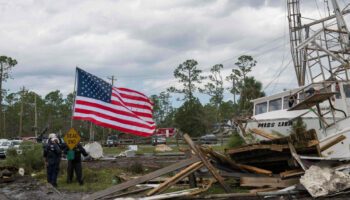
(74, 96)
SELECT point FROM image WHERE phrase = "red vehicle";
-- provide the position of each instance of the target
(167, 132)
(33, 139)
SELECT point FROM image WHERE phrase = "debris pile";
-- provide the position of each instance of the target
(269, 168)
(323, 181)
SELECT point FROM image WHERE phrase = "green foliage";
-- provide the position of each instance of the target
(188, 75)
(136, 168)
(31, 158)
(277, 133)
(250, 89)
(162, 109)
(235, 140)
(298, 125)
(6, 64)
(94, 179)
(247, 87)
(189, 118)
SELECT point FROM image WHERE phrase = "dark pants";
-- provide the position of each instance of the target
(74, 166)
(52, 173)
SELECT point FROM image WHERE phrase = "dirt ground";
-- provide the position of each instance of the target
(152, 162)
(29, 188)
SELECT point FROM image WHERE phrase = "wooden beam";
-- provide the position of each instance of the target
(290, 173)
(332, 143)
(142, 179)
(207, 163)
(170, 195)
(235, 165)
(296, 156)
(254, 191)
(126, 193)
(268, 181)
(222, 158)
(255, 169)
(173, 180)
(274, 147)
(264, 134)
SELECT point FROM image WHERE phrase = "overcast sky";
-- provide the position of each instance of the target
(141, 42)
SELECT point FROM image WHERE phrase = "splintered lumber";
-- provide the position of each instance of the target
(255, 169)
(274, 147)
(235, 165)
(296, 156)
(207, 163)
(264, 134)
(254, 191)
(332, 142)
(142, 179)
(170, 195)
(290, 173)
(127, 193)
(173, 180)
(222, 158)
(203, 189)
(268, 181)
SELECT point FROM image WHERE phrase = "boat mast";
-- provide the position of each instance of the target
(295, 36)
(320, 47)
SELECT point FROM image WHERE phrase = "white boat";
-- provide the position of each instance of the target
(321, 50)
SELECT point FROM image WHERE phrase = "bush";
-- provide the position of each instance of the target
(235, 140)
(136, 168)
(31, 158)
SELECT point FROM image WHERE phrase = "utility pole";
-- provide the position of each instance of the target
(21, 114)
(5, 135)
(35, 117)
(112, 79)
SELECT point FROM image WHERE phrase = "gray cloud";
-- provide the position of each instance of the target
(141, 42)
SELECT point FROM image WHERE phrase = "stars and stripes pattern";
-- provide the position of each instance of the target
(117, 108)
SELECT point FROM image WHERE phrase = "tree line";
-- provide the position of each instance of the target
(196, 119)
(19, 110)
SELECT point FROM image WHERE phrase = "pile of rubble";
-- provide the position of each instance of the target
(292, 166)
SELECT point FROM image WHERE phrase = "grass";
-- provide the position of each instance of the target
(113, 150)
(151, 149)
(94, 180)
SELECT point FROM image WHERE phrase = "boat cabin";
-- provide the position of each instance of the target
(289, 98)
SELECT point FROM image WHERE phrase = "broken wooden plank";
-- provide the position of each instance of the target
(264, 134)
(173, 180)
(222, 158)
(191, 178)
(127, 193)
(170, 195)
(207, 163)
(142, 179)
(254, 191)
(332, 142)
(267, 182)
(255, 169)
(296, 156)
(290, 173)
(257, 147)
(203, 189)
(311, 143)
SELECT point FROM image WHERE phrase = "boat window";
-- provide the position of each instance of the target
(289, 101)
(275, 104)
(260, 108)
(347, 90)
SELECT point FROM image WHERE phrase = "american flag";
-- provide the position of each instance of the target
(117, 108)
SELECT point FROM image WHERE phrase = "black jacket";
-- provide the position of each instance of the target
(78, 150)
(52, 153)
